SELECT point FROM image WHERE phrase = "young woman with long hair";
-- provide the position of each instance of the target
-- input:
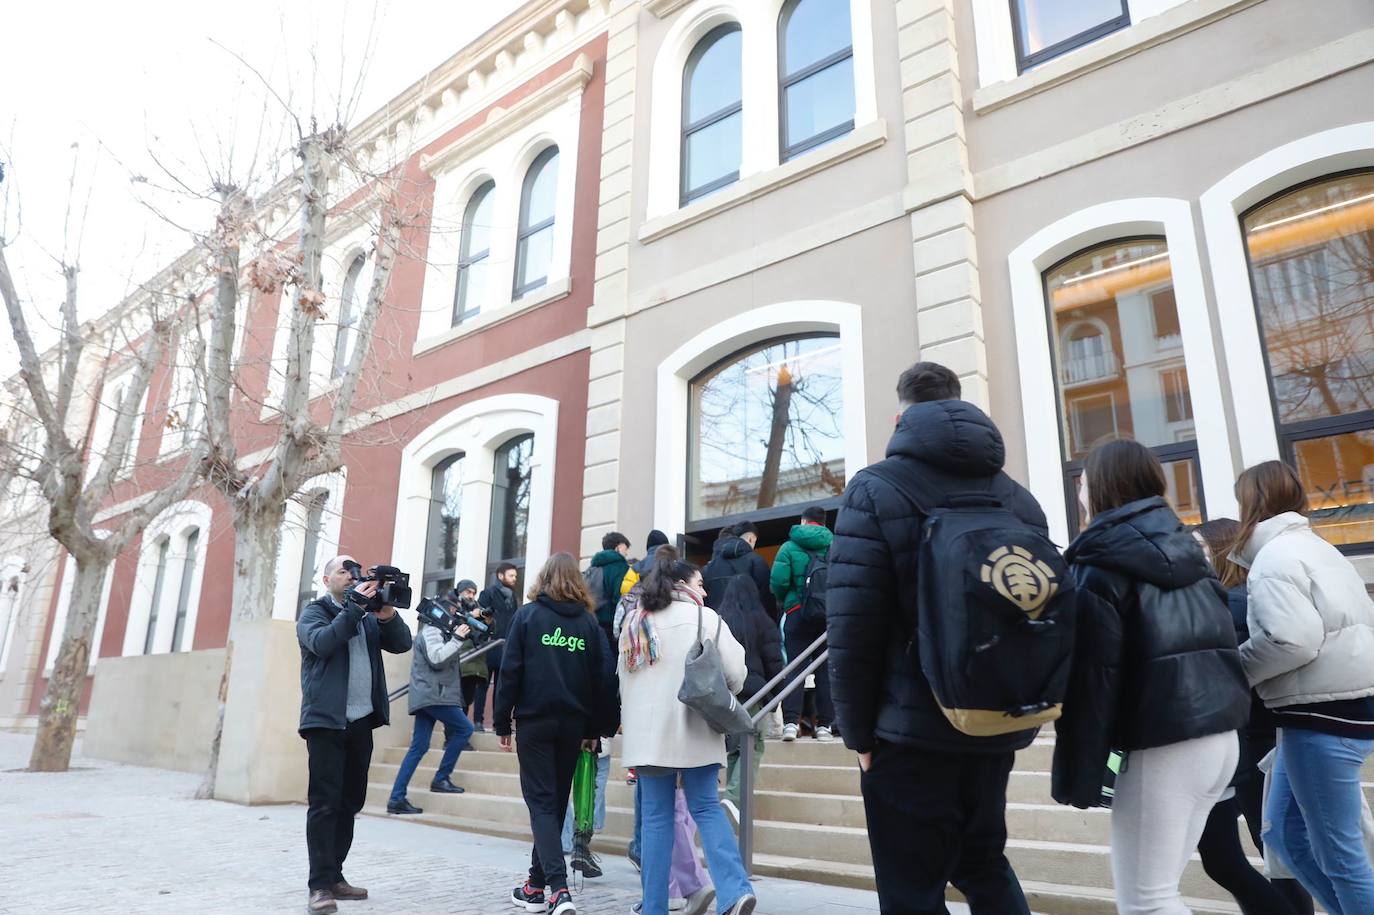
(1156, 674)
(558, 683)
(1310, 656)
(666, 741)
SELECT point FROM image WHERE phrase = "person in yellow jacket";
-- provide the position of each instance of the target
(641, 568)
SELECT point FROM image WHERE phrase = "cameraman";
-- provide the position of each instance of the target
(475, 672)
(342, 635)
(436, 694)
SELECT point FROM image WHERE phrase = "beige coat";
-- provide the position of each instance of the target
(660, 730)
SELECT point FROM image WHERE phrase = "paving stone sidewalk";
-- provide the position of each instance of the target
(109, 838)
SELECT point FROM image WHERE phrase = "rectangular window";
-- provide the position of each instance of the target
(1094, 420)
(1178, 406)
(1044, 29)
(188, 571)
(1164, 307)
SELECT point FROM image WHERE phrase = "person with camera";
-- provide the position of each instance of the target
(475, 673)
(436, 695)
(342, 635)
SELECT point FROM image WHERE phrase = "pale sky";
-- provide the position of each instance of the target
(127, 81)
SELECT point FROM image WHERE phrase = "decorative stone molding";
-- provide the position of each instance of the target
(664, 8)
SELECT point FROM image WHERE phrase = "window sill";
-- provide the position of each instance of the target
(1156, 30)
(859, 141)
(545, 294)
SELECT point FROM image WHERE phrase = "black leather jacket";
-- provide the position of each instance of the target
(1155, 659)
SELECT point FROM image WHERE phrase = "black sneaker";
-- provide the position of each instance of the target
(402, 807)
(528, 897)
(583, 860)
(444, 786)
(634, 858)
(562, 903)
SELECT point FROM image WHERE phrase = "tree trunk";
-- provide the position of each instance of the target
(257, 534)
(52, 750)
(777, 437)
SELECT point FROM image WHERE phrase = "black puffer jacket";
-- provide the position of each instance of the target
(762, 643)
(1155, 659)
(876, 682)
(736, 557)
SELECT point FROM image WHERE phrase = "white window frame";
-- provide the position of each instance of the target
(175, 523)
(11, 567)
(64, 602)
(735, 334)
(104, 427)
(761, 152)
(291, 547)
(1302, 160)
(1146, 216)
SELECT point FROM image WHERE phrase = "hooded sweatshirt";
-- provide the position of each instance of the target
(556, 665)
(605, 576)
(789, 567)
(734, 556)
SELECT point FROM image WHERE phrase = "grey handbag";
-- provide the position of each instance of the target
(704, 689)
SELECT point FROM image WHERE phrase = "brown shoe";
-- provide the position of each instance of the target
(321, 903)
(345, 893)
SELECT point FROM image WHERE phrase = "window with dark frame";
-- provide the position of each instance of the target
(712, 113)
(163, 545)
(815, 74)
(1310, 251)
(534, 239)
(473, 254)
(188, 571)
(1045, 29)
(348, 316)
(512, 480)
(445, 518)
(307, 587)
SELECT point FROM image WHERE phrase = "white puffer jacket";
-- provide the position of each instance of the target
(1311, 621)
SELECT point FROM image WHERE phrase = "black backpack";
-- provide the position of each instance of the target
(996, 608)
(812, 603)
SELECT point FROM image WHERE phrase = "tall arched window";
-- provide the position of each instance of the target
(445, 513)
(473, 254)
(188, 571)
(816, 74)
(534, 240)
(1311, 251)
(348, 316)
(1119, 366)
(712, 113)
(307, 586)
(9, 602)
(159, 577)
(510, 504)
(767, 429)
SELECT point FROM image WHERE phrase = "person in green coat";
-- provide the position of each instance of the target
(808, 539)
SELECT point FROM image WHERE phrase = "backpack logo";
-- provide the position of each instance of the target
(1020, 578)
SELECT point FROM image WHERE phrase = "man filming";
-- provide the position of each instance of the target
(342, 635)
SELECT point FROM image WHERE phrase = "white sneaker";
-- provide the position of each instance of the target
(823, 735)
(744, 905)
(789, 733)
(731, 810)
(699, 903)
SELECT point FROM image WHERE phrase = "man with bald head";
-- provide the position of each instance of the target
(342, 634)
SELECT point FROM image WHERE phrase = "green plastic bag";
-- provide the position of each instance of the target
(584, 793)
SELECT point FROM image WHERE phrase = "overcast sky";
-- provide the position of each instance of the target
(109, 85)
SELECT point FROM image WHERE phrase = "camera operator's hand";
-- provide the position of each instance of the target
(366, 589)
(463, 631)
(507, 742)
(386, 613)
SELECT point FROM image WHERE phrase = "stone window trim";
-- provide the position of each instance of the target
(174, 526)
(291, 546)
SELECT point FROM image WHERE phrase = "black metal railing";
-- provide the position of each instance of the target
(475, 653)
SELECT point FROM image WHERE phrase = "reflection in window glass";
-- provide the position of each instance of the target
(817, 68)
(1312, 270)
(510, 504)
(474, 251)
(767, 429)
(712, 119)
(1045, 28)
(534, 241)
(445, 513)
(1183, 491)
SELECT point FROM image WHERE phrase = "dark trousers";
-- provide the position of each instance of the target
(935, 819)
(548, 750)
(1225, 862)
(338, 789)
(475, 697)
(1250, 798)
(797, 636)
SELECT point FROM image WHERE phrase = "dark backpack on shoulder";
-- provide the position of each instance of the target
(812, 603)
(996, 608)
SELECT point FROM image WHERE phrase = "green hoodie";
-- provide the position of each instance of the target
(603, 578)
(789, 566)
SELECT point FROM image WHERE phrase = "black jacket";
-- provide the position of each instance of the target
(736, 557)
(557, 665)
(876, 680)
(1262, 722)
(501, 603)
(762, 641)
(323, 632)
(1155, 659)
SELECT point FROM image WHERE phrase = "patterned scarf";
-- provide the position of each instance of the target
(638, 640)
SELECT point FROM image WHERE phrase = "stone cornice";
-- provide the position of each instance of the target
(664, 8)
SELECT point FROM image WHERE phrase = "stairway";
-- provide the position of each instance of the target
(810, 820)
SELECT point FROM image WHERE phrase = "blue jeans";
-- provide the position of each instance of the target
(603, 775)
(457, 731)
(1312, 818)
(637, 841)
(717, 837)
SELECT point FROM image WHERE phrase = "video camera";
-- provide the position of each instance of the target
(393, 586)
(448, 618)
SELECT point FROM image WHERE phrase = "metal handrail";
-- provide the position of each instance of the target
(463, 659)
(746, 748)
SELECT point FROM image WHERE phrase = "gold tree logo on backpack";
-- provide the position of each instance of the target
(1020, 578)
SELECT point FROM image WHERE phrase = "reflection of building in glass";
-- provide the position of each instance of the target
(445, 515)
(766, 429)
(510, 504)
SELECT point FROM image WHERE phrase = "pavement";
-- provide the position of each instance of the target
(110, 838)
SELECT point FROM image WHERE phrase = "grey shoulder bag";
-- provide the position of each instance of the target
(705, 691)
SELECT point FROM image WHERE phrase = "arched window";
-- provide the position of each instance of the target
(9, 601)
(445, 513)
(767, 429)
(510, 504)
(712, 113)
(816, 74)
(1119, 364)
(308, 586)
(348, 316)
(188, 571)
(1311, 252)
(534, 241)
(159, 577)
(473, 254)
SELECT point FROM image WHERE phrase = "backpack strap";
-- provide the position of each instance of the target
(914, 489)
